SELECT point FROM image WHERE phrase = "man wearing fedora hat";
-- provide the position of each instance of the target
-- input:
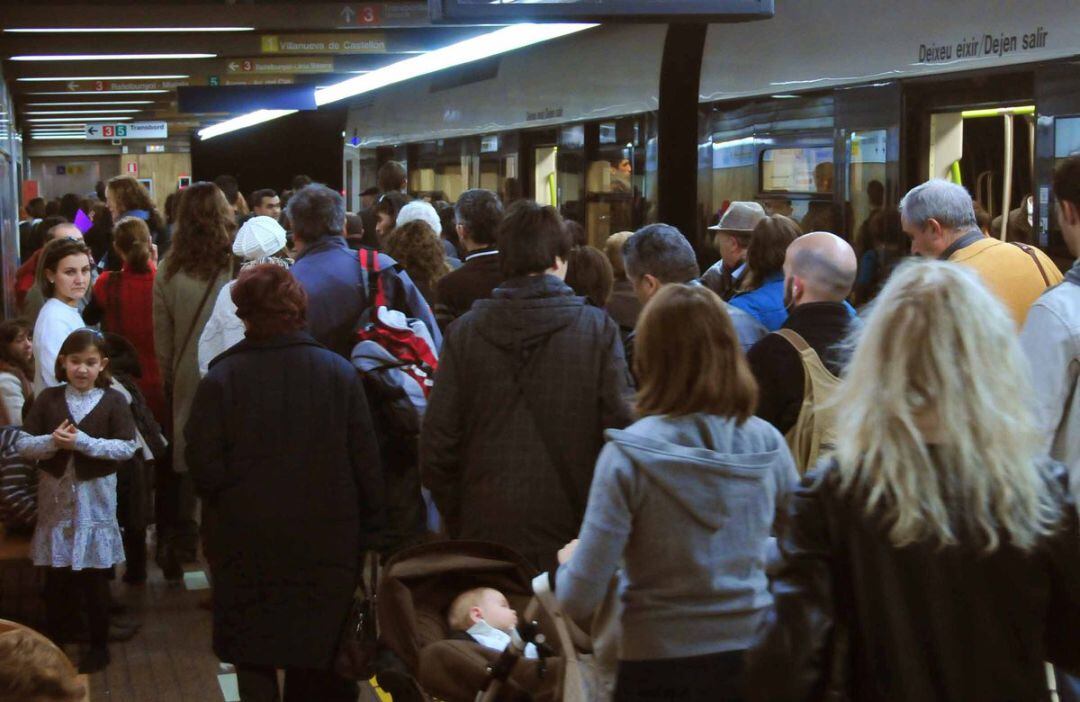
(732, 239)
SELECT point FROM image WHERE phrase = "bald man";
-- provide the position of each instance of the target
(819, 270)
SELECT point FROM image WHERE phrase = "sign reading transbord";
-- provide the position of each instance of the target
(131, 130)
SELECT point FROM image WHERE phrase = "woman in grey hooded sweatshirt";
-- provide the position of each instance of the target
(685, 499)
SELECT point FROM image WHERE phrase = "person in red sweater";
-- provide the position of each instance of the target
(126, 297)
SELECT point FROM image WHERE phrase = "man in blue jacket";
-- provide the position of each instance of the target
(333, 278)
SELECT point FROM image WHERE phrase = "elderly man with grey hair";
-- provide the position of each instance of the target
(940, 219)
(332, 276)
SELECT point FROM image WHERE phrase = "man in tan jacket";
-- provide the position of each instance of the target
(939, 216)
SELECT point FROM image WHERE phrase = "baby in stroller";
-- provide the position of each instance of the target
(484, 615)
(427, 652)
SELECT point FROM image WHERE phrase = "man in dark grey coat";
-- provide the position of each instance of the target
(527, 383)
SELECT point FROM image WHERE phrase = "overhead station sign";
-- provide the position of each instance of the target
(128, 130)
(279, 65)
(307, 44)
(106, 86)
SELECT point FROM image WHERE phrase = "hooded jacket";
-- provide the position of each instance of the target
(534, 362)
(687, 504)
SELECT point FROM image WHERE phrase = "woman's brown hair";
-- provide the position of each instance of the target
(10, 329)
(688, 359)
(51, 256)
(270, 301)
(589, 273)
(131, 237)
(768, 245)
(33, 668)
(417, 247)
(129, 194)
(202, 242)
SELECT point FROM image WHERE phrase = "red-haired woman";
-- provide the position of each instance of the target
(282, 451)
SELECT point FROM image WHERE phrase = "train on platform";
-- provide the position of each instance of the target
(825, 112)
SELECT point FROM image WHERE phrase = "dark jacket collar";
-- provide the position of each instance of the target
(326, 243)
(300, 338)
(532, 287)
(963, 242)
(818, 313)
(481, 253)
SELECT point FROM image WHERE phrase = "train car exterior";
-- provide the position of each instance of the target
(814, 112)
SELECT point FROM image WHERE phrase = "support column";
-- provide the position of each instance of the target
(680, 75)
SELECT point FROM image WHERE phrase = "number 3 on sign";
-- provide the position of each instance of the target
(369, 14)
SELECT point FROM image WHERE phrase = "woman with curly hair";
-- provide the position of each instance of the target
(126, 197)
(187, 282)
(419, 250)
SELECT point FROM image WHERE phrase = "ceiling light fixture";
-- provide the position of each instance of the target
(77, 112)
(98, 92)
(248, 120)
(87, 104)
(77, 121)
(517, 36)
(102, 30)
(109, 57)
(55, 79)
(500, 41)
(43, 137)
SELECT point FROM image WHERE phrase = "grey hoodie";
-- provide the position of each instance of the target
(687, 504)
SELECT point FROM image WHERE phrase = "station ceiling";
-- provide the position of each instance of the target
(69, 64)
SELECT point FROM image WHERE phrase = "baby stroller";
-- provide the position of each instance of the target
(420, 662)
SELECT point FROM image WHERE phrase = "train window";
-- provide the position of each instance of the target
(1066, 136)
(797, 170)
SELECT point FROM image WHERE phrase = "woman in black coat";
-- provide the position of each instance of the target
(282, 452)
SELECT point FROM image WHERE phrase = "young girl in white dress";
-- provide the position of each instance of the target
(79, 432)
(64, 280)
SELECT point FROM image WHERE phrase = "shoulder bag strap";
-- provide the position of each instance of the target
(194, 322)
(793, 338)
(552, 447)
(1031, 252)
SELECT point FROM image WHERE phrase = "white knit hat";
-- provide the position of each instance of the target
(420, 210)
(740, 216)
(259, 237)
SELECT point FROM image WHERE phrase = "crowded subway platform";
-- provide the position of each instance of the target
(401, 399)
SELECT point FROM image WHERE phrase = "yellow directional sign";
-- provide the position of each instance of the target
(308, 44)
(279, 65)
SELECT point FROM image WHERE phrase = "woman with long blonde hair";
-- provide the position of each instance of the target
(936, 555)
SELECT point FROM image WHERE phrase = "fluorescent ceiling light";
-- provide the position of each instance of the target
(54, 79)
(108, 57)
(42, 137)
(74, 112)
(95, 30)
(87, 104)
(500, 41)
(248, 120)
(72, 120)
(493, 43)
(98, 92)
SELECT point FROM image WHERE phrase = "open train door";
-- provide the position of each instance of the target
(1057, 136)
